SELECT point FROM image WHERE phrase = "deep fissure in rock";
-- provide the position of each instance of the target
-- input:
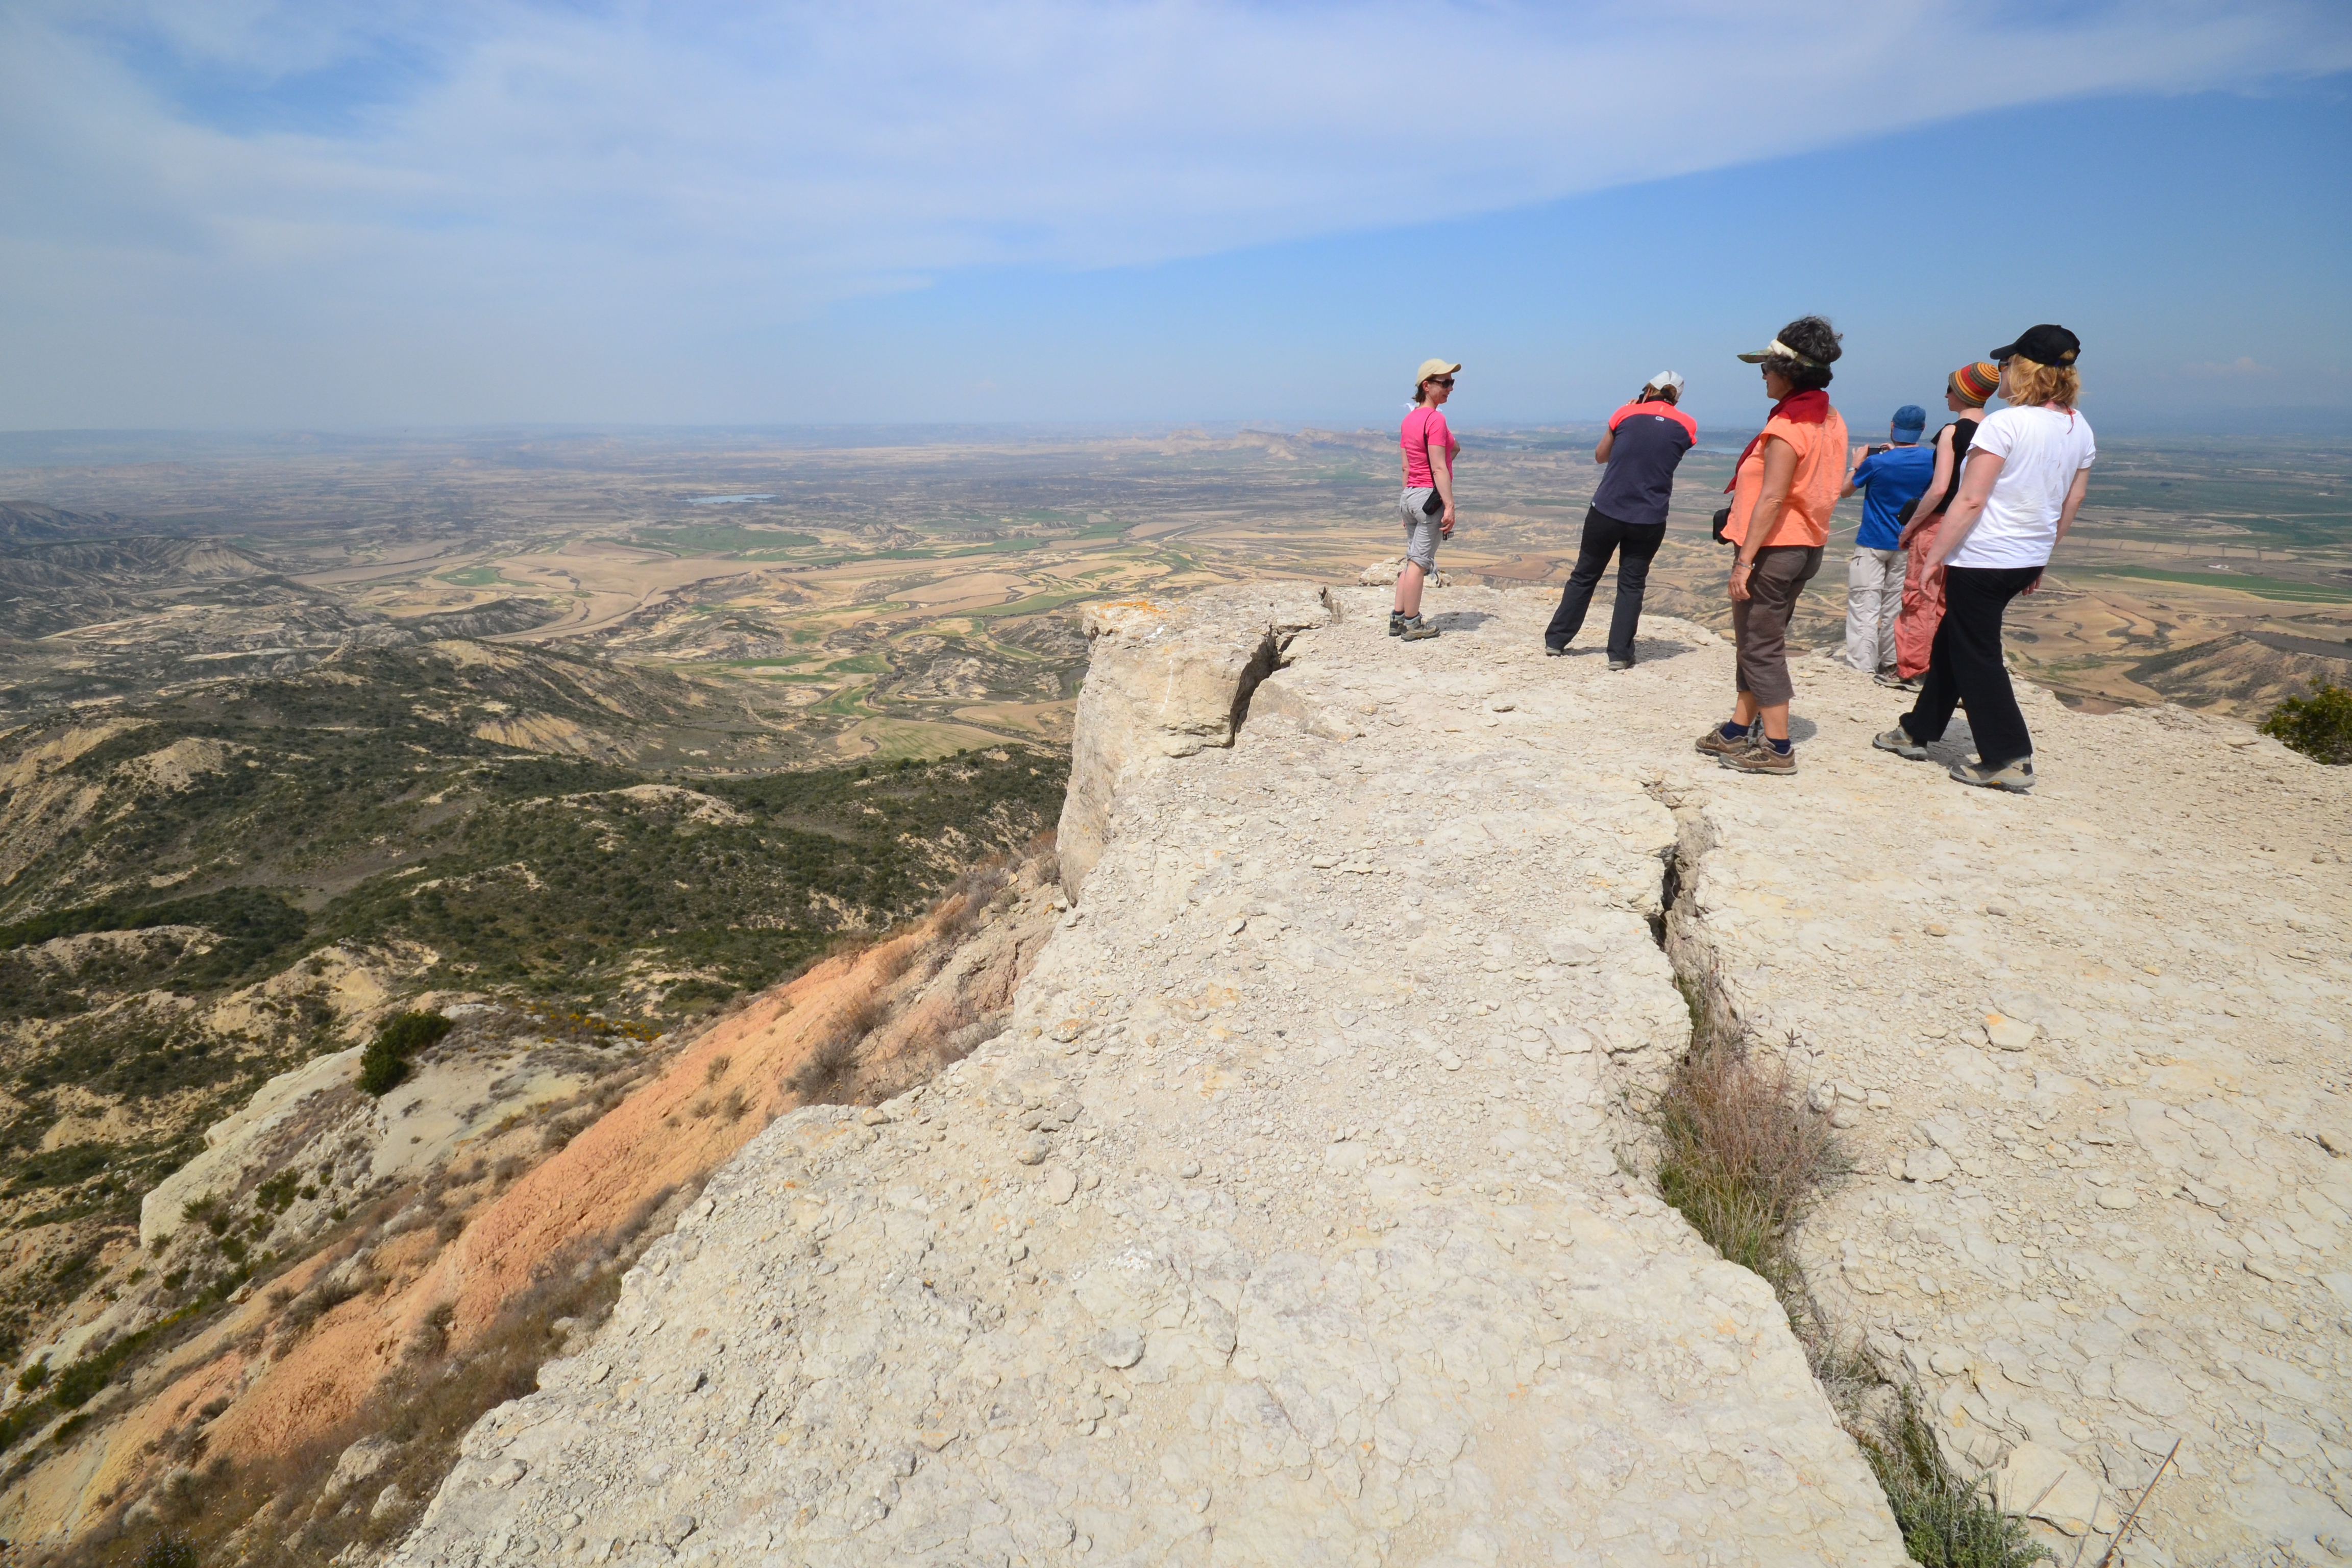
(1946, 1517)
(1263, 663)
(1670, 889)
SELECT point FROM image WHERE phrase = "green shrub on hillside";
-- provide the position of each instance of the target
(385, 1062)
(253, 927)
(64, 1167)
(2319, 726)
(168, 1551)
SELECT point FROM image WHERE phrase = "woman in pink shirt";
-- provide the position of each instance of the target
(1427, 504)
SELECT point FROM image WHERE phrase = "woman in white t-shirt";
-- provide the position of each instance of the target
(2027, 470)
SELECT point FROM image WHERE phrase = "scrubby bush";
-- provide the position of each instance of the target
(822, 1073)
(2319, 726)
(385, 1063)
(1948, 1519)
(168, 1551)
(1739, 1159)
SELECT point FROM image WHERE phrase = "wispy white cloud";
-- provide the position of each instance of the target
(424, 162)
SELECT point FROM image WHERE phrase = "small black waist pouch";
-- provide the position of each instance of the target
(1722, 522)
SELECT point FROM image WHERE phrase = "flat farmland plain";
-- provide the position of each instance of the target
(896, 593)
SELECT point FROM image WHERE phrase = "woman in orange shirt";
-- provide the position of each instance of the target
(1783, 490)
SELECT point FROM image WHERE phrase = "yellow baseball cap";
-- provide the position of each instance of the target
(1430, 367)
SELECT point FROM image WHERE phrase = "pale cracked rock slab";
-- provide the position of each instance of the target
(1166, 678)
(1327, 1258)
(2103, 1034)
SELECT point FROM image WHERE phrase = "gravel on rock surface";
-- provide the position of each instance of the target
(1294, 1220)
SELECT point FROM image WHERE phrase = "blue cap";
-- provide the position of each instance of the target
(1911, 417)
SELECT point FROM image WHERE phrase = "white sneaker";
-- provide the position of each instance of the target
(2017, 777)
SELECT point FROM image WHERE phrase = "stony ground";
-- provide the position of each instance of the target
(1298, 1217)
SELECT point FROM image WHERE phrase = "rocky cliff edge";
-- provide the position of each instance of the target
(1298, 1217)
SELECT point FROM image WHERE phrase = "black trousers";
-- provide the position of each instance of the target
(1633, 544)
(1965, 667)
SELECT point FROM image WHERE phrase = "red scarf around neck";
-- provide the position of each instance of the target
(1811, 406)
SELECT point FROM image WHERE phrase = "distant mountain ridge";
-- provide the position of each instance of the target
(133, 560)
(24, 523)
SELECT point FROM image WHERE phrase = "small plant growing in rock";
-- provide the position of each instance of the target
(1947, 1520)
(277, 1194)
(2319, 726)
(168, 1551)
(385, 1063)
(1740, 1161)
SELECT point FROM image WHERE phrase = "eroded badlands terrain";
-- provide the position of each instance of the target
(1301, 1213)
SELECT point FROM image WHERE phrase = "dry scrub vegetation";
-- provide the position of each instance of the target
(879, 1014)
(901, 1027)
(294, 1509)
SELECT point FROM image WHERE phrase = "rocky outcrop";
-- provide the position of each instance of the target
(240, 1141)
(2088, 1049)
(1290, 1223)
(1298, 1218)
(1164, 682)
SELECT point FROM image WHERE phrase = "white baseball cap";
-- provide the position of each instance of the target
(1665, 380)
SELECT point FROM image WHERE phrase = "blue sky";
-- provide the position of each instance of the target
(239, 213)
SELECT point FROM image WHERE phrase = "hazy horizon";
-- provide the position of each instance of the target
(31, 450)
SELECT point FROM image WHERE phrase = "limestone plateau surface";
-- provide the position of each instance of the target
(1298, 1216)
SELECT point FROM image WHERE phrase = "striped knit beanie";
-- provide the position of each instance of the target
(1977, 382)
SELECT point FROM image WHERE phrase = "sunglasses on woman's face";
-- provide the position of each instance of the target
(1441, 381)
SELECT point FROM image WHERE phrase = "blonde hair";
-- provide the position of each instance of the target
(2031, 383)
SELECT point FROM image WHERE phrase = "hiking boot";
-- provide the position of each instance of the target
(2016, 777)
(1713, 745)
(1396, 622)
(1899, 742)
(1895, 682)
(1621, 664)
(1551, 652)
(1760, 757)
(1416, 629)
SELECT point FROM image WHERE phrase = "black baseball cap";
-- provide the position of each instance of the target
(2044, 344)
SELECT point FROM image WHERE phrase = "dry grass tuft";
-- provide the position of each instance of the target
(1048, 858)
(822, 1077)
(1949, 1520)
(1741, 1160)
(970, 897)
